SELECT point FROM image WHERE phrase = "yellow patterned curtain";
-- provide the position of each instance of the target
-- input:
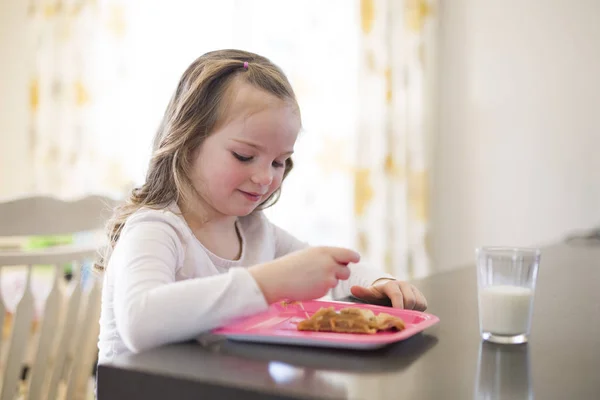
(76, 114)
(395, 134)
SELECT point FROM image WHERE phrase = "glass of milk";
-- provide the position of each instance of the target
(506, 284)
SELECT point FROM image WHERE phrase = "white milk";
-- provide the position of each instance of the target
(504, 310)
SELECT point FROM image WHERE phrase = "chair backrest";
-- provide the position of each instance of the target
(59, 348)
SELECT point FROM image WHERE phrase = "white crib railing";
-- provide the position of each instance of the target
(55, 346)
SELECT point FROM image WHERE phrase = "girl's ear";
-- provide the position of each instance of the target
(192, 153)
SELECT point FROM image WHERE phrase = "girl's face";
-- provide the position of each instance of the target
(241, 163)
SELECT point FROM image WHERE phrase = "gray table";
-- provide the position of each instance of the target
(448, 361)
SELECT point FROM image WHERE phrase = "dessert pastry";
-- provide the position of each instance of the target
(350, 320)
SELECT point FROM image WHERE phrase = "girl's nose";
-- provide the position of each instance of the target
(263, 177)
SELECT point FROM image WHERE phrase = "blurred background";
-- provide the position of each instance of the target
(430, 127)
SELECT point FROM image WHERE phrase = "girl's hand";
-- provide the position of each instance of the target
(304, 275)
(402, 294)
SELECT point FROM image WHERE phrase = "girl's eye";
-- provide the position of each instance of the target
(278, 164)
(241, 157)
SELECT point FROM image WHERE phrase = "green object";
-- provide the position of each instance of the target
(42, 242)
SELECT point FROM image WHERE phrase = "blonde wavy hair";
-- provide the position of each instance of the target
(197, 107)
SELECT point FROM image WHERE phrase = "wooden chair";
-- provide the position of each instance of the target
(58, 349)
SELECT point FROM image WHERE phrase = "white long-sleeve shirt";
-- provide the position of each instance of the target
(162, 285)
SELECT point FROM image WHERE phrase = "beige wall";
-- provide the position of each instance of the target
(519, 141)
(15, 174)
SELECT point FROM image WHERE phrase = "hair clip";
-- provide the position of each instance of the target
(245, 64)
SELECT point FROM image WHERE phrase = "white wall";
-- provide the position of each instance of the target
(519, 78)
(14, 97)
(517, 154)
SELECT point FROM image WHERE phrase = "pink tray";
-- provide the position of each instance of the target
(278, 325)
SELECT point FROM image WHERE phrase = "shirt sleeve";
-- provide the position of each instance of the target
(152, 308)
(360, 274)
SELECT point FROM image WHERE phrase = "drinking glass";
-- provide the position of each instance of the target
(506, 279)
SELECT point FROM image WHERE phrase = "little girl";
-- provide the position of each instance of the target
(191, 249)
